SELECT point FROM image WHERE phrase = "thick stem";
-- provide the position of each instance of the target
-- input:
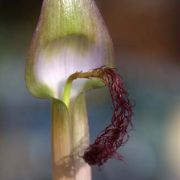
(70, 136)
(62, 159)
(80, 130)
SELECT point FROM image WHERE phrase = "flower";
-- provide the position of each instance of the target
(71, 42)
(70, 37)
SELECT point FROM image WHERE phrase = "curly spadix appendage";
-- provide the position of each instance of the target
(116, 134)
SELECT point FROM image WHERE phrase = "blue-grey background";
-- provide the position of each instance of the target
(146, 41)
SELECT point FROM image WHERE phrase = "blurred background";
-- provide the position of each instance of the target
(146, 37)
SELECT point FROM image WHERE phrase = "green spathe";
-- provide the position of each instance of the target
(70, 37)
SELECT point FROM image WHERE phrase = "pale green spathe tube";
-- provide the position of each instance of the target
(70, 37)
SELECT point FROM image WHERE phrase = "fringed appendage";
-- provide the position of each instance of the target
(116, 134)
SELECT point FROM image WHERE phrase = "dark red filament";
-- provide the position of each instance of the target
(116, 134)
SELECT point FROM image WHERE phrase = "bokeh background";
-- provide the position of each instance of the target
(146, 41)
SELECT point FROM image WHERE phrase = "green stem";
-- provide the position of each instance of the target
(69, 139)
(80, 130)
(62, 161)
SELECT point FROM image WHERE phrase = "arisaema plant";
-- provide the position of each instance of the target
(71, 52)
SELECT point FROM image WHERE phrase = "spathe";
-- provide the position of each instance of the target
(70, 36)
